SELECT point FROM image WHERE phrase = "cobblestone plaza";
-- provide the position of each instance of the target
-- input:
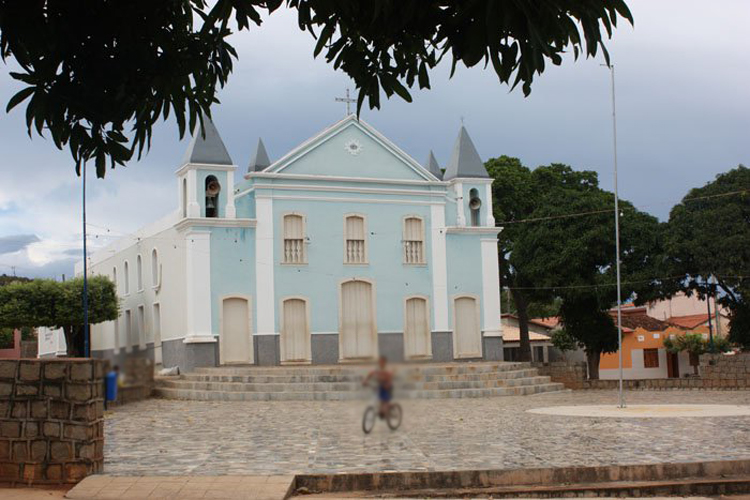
(167, 437)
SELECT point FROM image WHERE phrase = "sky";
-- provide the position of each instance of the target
(683, 116)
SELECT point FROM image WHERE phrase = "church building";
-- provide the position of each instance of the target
(342, 250)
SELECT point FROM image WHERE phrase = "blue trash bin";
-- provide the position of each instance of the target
(111, 386)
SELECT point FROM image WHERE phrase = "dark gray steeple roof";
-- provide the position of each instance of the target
(465, 161)
(433, 167)
(207, 147)
(260, 160)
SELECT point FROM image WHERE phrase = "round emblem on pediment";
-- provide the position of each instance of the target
(353, 147)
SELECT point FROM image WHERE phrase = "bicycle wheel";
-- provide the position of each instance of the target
(394, 416)
(368, 419)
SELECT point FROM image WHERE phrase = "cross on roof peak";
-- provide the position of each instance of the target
(348, 100)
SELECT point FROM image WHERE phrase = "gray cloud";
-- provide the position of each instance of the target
(17, 242)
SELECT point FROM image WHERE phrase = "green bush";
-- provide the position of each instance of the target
(6, 338)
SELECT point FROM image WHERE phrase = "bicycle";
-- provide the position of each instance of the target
(392, 419)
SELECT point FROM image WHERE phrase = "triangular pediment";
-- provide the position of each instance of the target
(351, 148)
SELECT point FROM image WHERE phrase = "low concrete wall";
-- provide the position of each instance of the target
(51, 420)
(717, 371)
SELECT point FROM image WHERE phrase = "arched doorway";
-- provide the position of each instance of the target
(236, 342)
(295, 331)
(357, 330)
(417, 337)
(467, 334)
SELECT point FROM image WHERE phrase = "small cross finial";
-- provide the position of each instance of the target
(462, 121)
(348, 100)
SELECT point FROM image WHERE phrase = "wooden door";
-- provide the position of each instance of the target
(467, 334)
(357, 329)
(417, 338)
(236, 338)
(295, 332)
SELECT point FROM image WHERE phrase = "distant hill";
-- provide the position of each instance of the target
(5, 279)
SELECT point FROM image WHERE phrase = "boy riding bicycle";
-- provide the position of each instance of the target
(384, 379)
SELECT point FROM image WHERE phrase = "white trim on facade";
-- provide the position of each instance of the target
(350, 189)
(439, 268)
(198, 286)
(213, 222)
(348, 200)
(340, 178)
(492, 325)
(264, 267)
(230, 212)
(204, 166)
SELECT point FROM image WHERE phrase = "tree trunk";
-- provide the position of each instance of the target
(73, 341)
(522, 306)
(592, 359)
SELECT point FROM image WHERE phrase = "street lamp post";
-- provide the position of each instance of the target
(617, 239)
(85, 270)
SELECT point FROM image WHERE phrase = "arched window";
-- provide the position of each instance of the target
(114, 277)
(154, 268)
(475, 203)
(126, 277)
(213, 188)
(355, 243)
(294, 239)
(413, 241)
(139, 272)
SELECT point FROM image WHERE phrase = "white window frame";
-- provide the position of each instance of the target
(140, 319)
(126, 277)
(366, 249)
(284, 238)
(128, 315)
(423, 252)
(139, 272)
(114, 277)
(155, 269)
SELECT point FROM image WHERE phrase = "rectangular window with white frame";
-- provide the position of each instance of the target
(355, 239)
(294, 239)
(413, 240)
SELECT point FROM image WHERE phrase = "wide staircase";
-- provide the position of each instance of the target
(344, 382)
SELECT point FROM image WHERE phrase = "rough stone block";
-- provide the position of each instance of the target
(39, 409)
(30, 371)
(8, 368)
(20, 451)
(31, 429)
(27, 390)
(55, 370)
(32, 472)
(9, 471)
(6, 389)
(51, 429)
(77, 431)
(11, 429)
(59, 410)
(4, 449)
(99, 449)
(75, 472)
(19, 411)
(86, 451)
(81, 371)
(79, 392)
(59, 451)
(54, 472)
(51, 390)
(85, 412)
(4, 409)
(38, 450)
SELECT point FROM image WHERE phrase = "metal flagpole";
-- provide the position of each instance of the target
(617, 239)
(85, 273)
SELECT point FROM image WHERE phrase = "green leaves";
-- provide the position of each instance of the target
(19, 98)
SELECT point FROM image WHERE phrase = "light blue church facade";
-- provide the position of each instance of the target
(342, 250)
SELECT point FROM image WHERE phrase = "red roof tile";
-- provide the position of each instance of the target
(689, 322)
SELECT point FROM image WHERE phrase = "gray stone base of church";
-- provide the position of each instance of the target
(324, 350)
(189, 356)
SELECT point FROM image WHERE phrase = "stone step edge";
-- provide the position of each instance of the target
(171, 384)
(253, 378)
(343, 368)
(689, 487)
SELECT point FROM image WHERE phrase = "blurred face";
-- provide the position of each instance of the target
(382, 362)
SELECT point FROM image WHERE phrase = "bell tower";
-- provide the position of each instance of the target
(206, 177)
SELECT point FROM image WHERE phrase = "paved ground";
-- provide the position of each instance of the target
(165, 437)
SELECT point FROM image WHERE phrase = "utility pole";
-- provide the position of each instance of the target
(710, 327)
(85, 272)
(617, 239)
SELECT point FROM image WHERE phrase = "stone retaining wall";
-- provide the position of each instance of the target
(51, 420)
(717, 371)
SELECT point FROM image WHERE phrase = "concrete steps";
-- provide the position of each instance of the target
(344, 382)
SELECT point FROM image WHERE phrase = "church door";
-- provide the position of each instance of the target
(236, 337)
(358, 335)
(467, 337)
(295, 332)
(417, 341)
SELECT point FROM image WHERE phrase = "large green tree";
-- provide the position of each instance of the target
(558, 242)
(98, 74)
(708, 247)
(57, 304)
